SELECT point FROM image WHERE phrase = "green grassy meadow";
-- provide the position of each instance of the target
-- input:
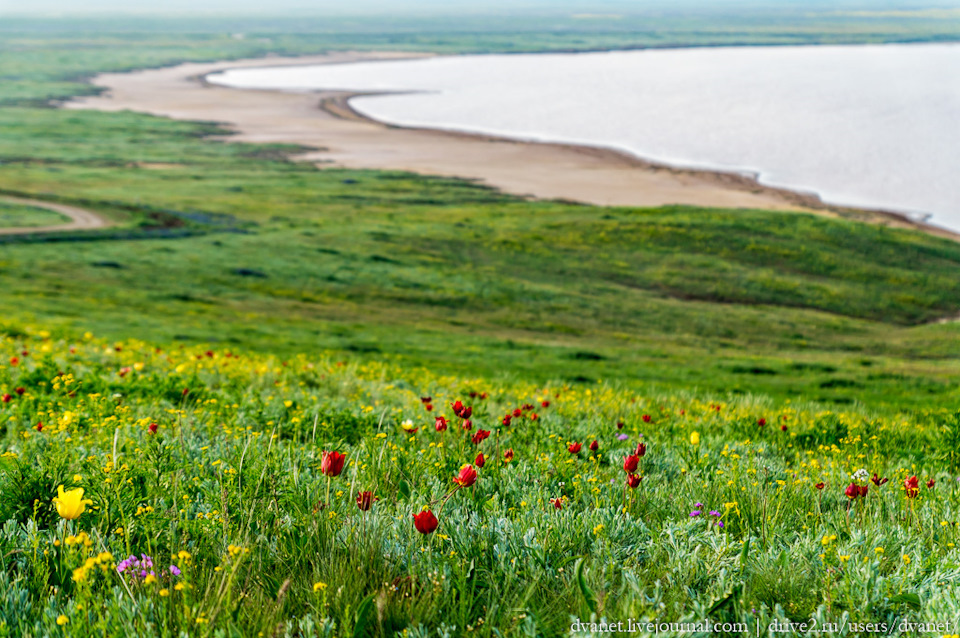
(308, 310)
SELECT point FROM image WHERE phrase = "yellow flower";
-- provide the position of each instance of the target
(62, 620)
(906, 559)
(694, 438)
(319, 586)
(150, 579)
(164, 592)
(879, 550)
(70, 504)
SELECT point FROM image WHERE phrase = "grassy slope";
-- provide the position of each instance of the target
(476, 280)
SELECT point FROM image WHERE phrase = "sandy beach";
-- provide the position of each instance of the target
(324, 121)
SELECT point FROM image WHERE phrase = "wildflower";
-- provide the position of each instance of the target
(534, 416)
(641, 450)
(877, 480)
(557, 503)
(466, 477)
(6, 398)
(467, 424)
(574, 448)
(319, 586)
(480, 436)
(365, 500)
(426, 399)
(164, 592)
(820, 485)
(715, 513)
(517, 412)
(633, 481)
(61, 619)
(544, 404)
(906, 559)
(70, 504)
(598, 529)
(457, 407)
(630, 463)
(912, 487)
(854, 491)
(622, 437)
(174, 570)
(783, 428)
(408, 427)
(506, 420)
(425, 522)
(480, 460)
(619, 425)
(646, 418)
(508, 455)
(694, 438)
(440, 424)
(878, 550)
(39, 426)
(695, 513)
(153, 428)
(428, 407)
(594, 446)
(861, 476)
(761, 421)
(931, 483)
(20, 391)
(332, 463)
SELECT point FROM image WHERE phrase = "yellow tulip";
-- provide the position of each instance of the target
(70, 504)
(694, 438)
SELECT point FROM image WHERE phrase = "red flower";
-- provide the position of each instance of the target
(783, 428)
(594, 446)
(526, 407)
(820, 485)
(457, 407)
(480, 460)
(506, 420)
(20, 391)
(6, 398)
(931, 483)
(473, 395)
(646, 418)
(633, 481)
(428, 407)
(480, 436)
(466, 413)
(14, 361)
(912, 486)
(534, 416)
(630, 463)
(425, 522)
(332, 463)
(544, 404)
(467, 425)
(641, 450)
(153, 428)
(185, 392)
(517, 412)
(619, 425)
(508, 455)
(39, 426)
(761, 421)
(856, 491)
(426, 399)
(877, 480)
(466, 477)
(365, 500)
(574, 448)
(557, 503)
(441, 424)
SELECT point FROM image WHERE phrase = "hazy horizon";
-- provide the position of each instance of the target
(69, 8)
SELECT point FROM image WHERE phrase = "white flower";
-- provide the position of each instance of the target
(861, 475)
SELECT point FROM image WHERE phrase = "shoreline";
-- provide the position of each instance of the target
(336, 134)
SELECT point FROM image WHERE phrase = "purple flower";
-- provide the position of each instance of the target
(695, 513)
(720, 524)
(698, 505)
(622, 437)
(714, 513)
(174, 570)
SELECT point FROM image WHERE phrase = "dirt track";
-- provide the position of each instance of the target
(81, 219)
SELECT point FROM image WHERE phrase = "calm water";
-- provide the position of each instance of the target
(875, 126)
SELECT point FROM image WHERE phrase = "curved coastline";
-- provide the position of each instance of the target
(537, 169)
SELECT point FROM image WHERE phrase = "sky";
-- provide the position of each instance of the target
(360, 7)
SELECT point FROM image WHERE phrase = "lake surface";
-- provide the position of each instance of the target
(873, 126)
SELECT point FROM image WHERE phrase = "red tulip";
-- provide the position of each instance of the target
(425, 522)
(630, 463)
(467, 425)
(761, 422)
(574, 448)
(20, 391)
(365, 500)
(332, 463)
(506, 420)
(14, 361)
(185, 392)
(517, 412)
(820, 485)
(544, 404)
(441, 424)
(646, 418)
(912, 486)
(466, 413)
(594, 446)
(457, 407)
(426, 399)
(783, 428)
(641, 450)
(466, 477)
(428, 407)
(557, 503)
(856, 491)
(480, 460)
(6, 398)
(480, 436)
(633, 481)
(877, 480)
(153, 428)
(534, 416)
(931, 483)
(39, 426)
(508, 455)
(619, 425)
